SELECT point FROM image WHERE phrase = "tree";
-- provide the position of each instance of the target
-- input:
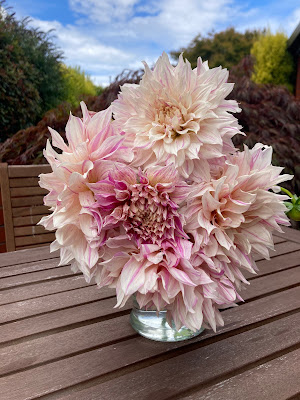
(31, 81)
(273, 63)
(225, 48)
(77, 84)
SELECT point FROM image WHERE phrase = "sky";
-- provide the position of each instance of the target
(104, 37)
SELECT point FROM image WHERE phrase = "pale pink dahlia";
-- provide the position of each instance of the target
(161, 279)
(146, 204)
(158, 202)
(149, 256)
(92, 146)
(177, 114)
(234, 212)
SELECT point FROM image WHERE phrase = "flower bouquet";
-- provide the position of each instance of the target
(151, 197)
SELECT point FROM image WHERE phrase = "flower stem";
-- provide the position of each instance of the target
(286, 191)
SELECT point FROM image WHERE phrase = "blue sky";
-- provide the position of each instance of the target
(106, 36)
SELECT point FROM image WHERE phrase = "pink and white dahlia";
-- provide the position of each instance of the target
(157, 203)
(146, 204)
(177, 114)
(92, 150)
(233, 211)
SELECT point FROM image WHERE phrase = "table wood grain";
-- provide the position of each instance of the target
(62, 339)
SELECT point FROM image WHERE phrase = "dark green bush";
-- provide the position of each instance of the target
(225, 48)
(31, 81)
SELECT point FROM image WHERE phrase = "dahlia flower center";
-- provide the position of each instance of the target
(148, 220)
(172, 120)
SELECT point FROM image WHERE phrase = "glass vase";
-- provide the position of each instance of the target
(154, 326)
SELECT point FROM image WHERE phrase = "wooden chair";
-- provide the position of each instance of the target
(22, 202)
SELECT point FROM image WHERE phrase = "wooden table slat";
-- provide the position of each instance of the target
(63, 339)
(25, 256)
(267, 381)
(52, 302)
(14, 270)
(255, 344)
(37, 276)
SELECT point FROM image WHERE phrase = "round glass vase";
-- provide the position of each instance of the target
(154, 326)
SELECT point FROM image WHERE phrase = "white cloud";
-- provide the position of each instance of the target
(81, 49)
(108, 36)
(104, 11)
(293, 21)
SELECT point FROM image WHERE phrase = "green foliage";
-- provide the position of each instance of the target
(77, 84)
(225, 48)
(273, 63)
(30, 78)
(292, 206)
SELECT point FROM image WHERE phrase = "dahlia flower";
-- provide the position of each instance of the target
(92, 147)
(157, 203)
(177, 114)
(234, 212)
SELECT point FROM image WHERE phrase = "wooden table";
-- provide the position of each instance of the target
(62, 339)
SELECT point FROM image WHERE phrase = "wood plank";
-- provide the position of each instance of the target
(280, 248)
(290, 234)
(23, 182)
(261, 286)
(62, 344)
(52, 302)
(277, 239)
(196, 366)
(276, 264)
(29, 230)
(44, 288)
(29, 267)
(38, 276)
(63, 319)
(33, 210)
(41, 238)
(271, 283)
(7, 208)
(258, 343)
(29, 220)
(32, 246)
(27, 201)
(23, 258)
(27, 191)
(274, 380)
(235, 318)
(20, 171)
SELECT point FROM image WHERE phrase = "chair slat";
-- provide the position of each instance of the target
(29, 230)
(25, 221)
(41, 238)
(27, 211)
(23, 182)
(27, 201)
(27, 191)
(7, 211)
(19, 171)
(23, 206)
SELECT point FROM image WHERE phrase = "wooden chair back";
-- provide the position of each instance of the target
(23, 207)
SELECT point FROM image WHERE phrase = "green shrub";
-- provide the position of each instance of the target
(273, 63)
(224, 48)
(30, 77)
(77, 84)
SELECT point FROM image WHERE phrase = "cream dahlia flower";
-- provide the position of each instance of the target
(151, 198)
(177, 114)
(234, 212)
(93, 145)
